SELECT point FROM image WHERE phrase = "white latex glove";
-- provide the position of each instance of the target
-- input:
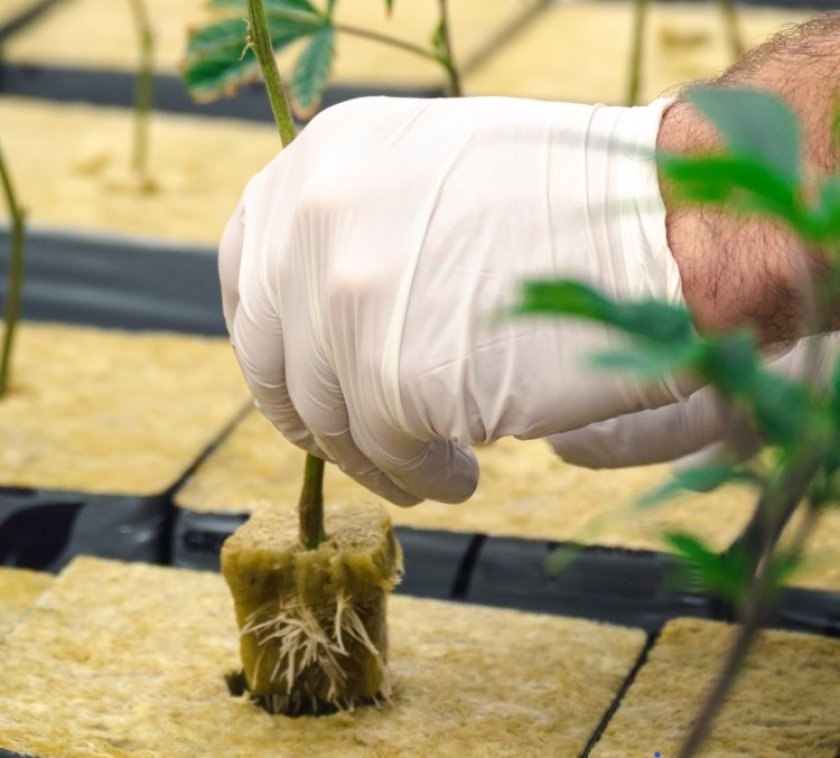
(692, 432)
(363, 264)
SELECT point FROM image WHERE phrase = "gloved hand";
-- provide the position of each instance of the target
(362, 269)
(694, 432)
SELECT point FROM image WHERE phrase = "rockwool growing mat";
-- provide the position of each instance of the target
(119, 659)
(97, 429)
(784, 704)
(91, 186)
(18, 588)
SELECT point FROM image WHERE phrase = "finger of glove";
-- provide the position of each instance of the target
(343, 450)
(435, 470)
(230, 261)
(650, 436)
(257, 337)
(317, 394)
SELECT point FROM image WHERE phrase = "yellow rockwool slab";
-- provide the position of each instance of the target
(11, 9)
(195, 181)
(113, 412)
(580, 51)
(120, 659)
(18, 588)
(784, 704)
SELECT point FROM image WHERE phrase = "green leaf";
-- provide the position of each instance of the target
(562, 557)
(732, 363)
(231, 32)
(782, 409)
(700, 479)
(822, 223)
(744, 185)
(648, 361)
(650, 319)
(725, 575)
(755, 125)
(389, 7)
(312, 70)
(219, 59)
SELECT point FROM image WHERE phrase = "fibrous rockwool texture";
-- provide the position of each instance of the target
(113, 412)
(92, 186)
(18, 588)
(784, 704)
(123, 660)
(313, 622)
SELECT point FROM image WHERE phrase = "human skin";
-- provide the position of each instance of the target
(736, 270)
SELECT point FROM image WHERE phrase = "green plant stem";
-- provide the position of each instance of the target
(386, 39)
(144, 91)
(733, 35)
(260, 40)
(311, 503)
(15, 291)
(637, 52)
(448, 58)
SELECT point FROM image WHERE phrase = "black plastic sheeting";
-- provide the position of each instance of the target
(118, 282)
(44, 530)
(115, 88)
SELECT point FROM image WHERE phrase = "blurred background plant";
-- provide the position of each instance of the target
(797, 419)
(144, 91)
(14, 292)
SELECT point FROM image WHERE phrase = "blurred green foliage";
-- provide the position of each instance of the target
(758, 171)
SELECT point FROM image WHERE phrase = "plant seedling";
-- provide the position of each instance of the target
(310, 593)
(15, 287)
(219, 60)
(143, 92)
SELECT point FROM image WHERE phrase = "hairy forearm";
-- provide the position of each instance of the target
(738, 270)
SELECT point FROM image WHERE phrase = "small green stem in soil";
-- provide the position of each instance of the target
(311, 503)
(637, 52)
(733, 35)
(448, 59)
(144, 90)
(15, 291)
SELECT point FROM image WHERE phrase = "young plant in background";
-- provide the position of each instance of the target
(14, 291)
(144, 91)
(219, 61)
(798, 420)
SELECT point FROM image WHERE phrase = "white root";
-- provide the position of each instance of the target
(301, 640)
